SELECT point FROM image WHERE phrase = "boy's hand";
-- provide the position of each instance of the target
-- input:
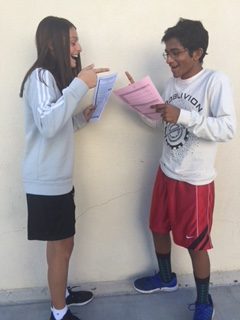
(88, 111)
(89, 75)
(130, 78)
(169, 113)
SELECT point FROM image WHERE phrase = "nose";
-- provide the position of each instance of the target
(79, 48)
(169, 59)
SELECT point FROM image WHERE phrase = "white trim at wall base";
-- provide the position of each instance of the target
(107, 288)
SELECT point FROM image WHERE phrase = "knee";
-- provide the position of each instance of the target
(61, 249)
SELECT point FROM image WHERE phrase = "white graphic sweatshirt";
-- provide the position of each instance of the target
(207, 116)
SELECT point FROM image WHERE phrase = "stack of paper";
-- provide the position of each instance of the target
(140, 96)
(102, 93)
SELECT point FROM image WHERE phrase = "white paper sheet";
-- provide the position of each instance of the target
(102, 93)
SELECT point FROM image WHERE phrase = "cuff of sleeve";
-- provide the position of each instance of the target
(78, 87)
(184, 117)
(79, 121)
(82, 118)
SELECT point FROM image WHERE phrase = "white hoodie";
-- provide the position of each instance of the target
(49, 128)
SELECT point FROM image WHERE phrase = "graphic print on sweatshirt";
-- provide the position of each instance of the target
(178, 138)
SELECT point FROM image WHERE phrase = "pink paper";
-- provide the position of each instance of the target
(141, 95)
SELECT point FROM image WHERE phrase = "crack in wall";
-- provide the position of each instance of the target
(104, 203)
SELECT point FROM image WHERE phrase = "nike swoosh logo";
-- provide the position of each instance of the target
(189, 237)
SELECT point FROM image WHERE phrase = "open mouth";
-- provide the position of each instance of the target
(74, 59)
(75, 56)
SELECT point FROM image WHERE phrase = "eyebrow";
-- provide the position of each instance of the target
(174, 49)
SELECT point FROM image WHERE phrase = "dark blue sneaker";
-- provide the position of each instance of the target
(203, 311)
(154, 284)
(78, 298)
(68, 316)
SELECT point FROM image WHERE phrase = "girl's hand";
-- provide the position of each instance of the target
(88, 111)
(89, 75)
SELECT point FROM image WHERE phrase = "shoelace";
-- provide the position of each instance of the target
(152, 280)
(192, 307)
(204, 308)
(70, 289)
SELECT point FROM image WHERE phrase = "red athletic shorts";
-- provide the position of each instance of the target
(184, 209)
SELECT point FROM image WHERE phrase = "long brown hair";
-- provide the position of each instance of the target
(53, 54)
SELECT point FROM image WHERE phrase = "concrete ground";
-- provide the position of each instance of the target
(134, 306)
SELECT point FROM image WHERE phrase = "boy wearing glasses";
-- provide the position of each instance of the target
(198, 112)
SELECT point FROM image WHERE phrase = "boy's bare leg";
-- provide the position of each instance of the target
(162, 243)
(201, 271)
(200, 263)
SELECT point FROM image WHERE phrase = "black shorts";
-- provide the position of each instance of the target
(51, 217)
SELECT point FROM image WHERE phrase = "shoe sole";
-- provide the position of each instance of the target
(213, 314)
(164, 289)
(80, 303)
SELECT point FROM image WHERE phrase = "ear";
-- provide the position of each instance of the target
(50, 46)
(197, 54)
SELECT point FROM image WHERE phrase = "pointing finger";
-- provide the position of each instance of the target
(99, 70)
(158, 107)
(91, 66)
(130, 78)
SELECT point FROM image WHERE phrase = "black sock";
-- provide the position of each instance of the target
(202, 290)
(165, 269)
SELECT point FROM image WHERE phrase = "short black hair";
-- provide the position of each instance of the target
(191, 34)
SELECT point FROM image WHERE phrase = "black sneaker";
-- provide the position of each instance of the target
(68, 316)
(78, 298)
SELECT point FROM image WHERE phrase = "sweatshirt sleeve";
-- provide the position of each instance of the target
(219, 124)
(50, 109)
(79, 121)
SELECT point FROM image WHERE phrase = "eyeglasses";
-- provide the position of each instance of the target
(174, 54)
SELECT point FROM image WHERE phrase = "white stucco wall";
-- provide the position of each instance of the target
(117, 157)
